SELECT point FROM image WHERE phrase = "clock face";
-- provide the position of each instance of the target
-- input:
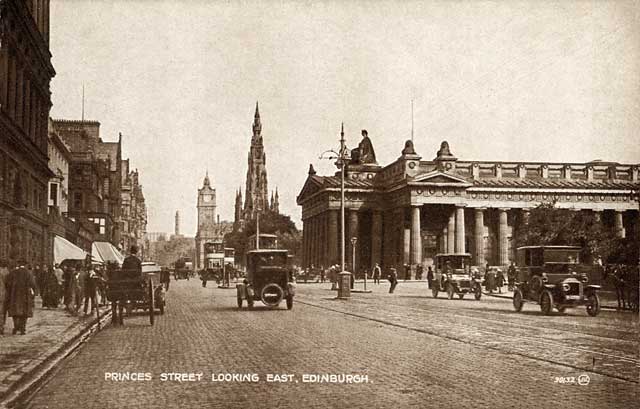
(207, 198)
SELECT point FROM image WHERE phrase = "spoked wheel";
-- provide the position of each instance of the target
(450, 291)
(478, 293)
(517, 300)
(461, 295)
(434, 291)
(546, 303)
(114, 314)
(152, 303)
(593, 308)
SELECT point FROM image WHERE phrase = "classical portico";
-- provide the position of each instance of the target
(412, 209)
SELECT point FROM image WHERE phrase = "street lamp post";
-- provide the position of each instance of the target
(341, 157)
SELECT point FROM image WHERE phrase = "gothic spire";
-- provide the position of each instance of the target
(207, 182)
(257, 126)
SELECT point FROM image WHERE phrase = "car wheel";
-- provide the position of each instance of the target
(289, 302)
(450, 291)
(517, 300)
(434, 291)
(478, 293)
(546, 303)
(593, 308)
(561, 309)
(461, 295)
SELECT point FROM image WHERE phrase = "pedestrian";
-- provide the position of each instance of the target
(393, 279)
(165, 278)
(419, 271)
(21, 289)
(322, 275)
(429, 276)
(90, 287)
(50, 296)
(4, 295)
(377, 272)
(77, 289)
(38, 274)
(407, 272)
(511, 276)
(499, 280)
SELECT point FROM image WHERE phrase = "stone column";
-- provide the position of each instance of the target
(322, 221)
(479, 237)
(316, 241)
(619, 225)
(376, 238)
(353, 232)
(416, 237)
(451, 233)
(460, 244)
(4, 73)
(305, 236)
(12, 89)
(332, 240)
(503, 243)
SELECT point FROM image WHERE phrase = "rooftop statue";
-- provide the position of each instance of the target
(364, 153)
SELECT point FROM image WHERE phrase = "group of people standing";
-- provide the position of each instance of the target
(73, 285)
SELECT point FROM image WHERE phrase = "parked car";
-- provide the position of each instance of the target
(269, 279)
(454, 275)
(550, 276)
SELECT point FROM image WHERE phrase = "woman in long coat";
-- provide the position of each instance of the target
(21, 287)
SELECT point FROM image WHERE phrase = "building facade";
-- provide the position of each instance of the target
(410, 210)
(210, 228)
(25, 101)
(133, 214)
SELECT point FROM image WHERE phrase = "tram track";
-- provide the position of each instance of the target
(514, 342)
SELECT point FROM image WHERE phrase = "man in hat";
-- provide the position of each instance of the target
(132, 264)
(21, 288)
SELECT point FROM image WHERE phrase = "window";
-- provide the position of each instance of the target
(53, 194)
(77, 201)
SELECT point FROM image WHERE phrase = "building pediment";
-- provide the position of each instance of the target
(439, 178)
(312, 185)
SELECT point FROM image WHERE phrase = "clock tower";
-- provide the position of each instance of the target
(207, 229)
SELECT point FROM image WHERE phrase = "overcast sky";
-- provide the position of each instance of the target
(514, 81)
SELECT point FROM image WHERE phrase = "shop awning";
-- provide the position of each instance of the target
(63, 249)
(106, 252)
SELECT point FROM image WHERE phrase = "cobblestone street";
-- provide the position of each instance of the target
(415, 351)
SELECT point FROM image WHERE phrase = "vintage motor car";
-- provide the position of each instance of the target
(553, 277)
(453, 274)
(269, 279)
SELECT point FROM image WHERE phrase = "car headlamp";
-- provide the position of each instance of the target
(566, 287)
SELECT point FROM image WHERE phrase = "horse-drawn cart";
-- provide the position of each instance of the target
(126, 288)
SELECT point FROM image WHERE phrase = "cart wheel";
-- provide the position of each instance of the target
(114, 314)
(478, 293)
(151, 303)
(450, 291)
(517, 300)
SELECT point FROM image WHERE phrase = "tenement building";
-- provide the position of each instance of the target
(412, 209)
(25, 101)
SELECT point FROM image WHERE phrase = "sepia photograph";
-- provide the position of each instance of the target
(319, 204)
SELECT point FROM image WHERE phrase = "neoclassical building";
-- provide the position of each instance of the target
(412, 209)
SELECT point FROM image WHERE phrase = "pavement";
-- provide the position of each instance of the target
(415, 352)
(50, 333)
